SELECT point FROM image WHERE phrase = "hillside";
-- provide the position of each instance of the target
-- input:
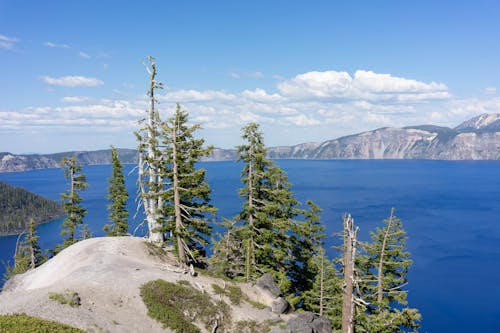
(105, 274)
(475, 139)
(18, 206)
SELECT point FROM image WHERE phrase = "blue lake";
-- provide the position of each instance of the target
(450, 210)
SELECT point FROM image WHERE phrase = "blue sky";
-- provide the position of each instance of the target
(72, 78)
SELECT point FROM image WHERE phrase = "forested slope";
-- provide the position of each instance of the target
(18, 206)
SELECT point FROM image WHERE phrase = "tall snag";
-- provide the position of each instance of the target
(150, 181)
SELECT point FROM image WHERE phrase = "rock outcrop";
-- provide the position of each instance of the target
(474, 139)
(106, 274)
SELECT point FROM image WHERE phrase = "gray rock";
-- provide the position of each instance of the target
(307, 322)
(266, 282)
(280, 305)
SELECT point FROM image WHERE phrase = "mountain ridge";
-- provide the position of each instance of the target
(475, 139)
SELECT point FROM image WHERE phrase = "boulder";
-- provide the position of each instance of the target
(280, 306)
(306, 322)
(266, 282)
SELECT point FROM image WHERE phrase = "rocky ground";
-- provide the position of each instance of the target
(107, 272)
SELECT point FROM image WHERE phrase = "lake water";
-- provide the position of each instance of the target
(450, 210)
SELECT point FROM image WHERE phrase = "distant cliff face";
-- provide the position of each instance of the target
(475, 139)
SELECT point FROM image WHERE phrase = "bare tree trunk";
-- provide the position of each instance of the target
(380, 264)
(154, 184)
(177, 201)
(350, 234)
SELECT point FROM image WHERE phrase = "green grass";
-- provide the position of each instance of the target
(22, 323)
(177, 306)
(70, 297)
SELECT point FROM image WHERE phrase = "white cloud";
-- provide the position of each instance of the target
(196, 96)
(72, 81)
(240, 74)
(74, 99)
(260, 95)
(7, 43)
(365, 85)
(329, 104)
(55, 45)
(84, 55)
(303, 120)
(490, 90)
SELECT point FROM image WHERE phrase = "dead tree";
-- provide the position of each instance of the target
(350, 243)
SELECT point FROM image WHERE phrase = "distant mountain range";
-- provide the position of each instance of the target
(474, 139)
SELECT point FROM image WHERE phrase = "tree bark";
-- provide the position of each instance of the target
(177, 201)
(154, 201)
(350, 232)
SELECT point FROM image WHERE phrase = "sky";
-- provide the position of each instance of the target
(72, 74)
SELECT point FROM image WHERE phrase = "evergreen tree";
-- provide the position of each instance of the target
(252, 155)
(273, 238)
(72, 201)
(186, 201)
(118, 196)
(385, 266)
(31, 240)
(325, 295)
(27, 253)
(150, 180)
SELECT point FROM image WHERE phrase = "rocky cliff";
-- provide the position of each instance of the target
(474, 139)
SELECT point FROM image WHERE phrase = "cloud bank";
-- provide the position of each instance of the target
(312, 106)
(72, 81)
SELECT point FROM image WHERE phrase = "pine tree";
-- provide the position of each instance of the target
(252, 155)
(31, 240)
(186, 201)
(150, 181)
(273, 238)
(27, 254)
(72, 201)
(118, 196)
(325, 295)
(385, 267)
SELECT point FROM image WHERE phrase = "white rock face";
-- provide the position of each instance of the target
(106, 273)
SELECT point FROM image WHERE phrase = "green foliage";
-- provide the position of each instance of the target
(70, 298)
(22, 323)
(28, 254)
(186, 201)
(234, 293)
(251, 326)
(18, 206)
(72, 201)
(271, 233)
(325, 295)
(256, 304)
(118, 196)
(177, 306)
(384, 267)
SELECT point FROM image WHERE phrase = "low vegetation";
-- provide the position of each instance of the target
(234, 293)
(22, 323)
(251, 326)
(178, 306)
(70, 298)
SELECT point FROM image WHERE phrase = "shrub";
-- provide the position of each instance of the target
(177, 306)
(22, 323)
(70, 297)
